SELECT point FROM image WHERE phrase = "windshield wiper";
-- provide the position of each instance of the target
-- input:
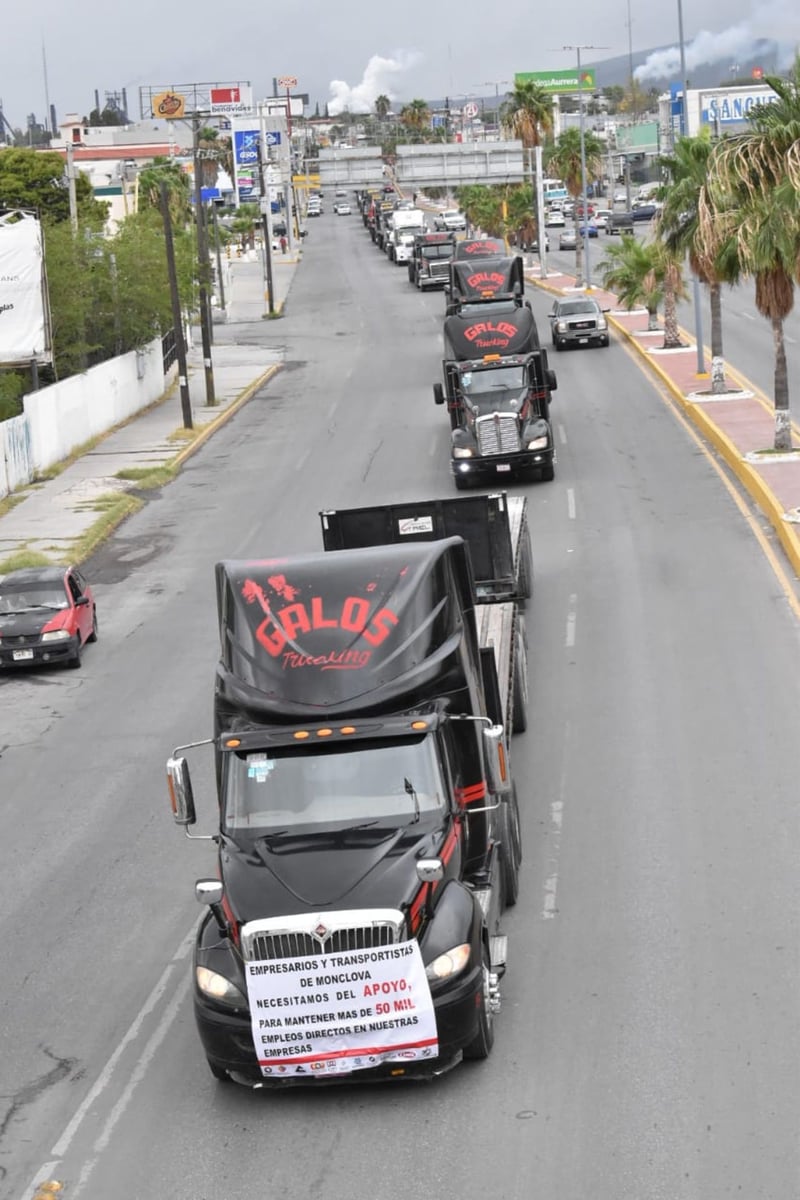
(412, 792)
(285, 836)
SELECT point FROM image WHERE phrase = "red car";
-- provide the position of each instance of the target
(47, 615)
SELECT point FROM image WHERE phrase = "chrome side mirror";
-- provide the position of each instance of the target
(494, 753)
(430, 870)
(180, 791)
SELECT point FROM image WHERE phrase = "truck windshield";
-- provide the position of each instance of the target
(385, 782)
(443, 251)
(499, 390)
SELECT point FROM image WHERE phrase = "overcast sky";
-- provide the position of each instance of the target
(432, 49)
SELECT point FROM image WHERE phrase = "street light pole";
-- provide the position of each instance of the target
(587, 276)
(698, 315)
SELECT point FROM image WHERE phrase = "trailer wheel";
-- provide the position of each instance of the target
(520, 694)
(525, 578)
(481, 1044)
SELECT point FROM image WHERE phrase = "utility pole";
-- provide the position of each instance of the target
(587, 275)
(219, 260)
(202, 265)
(698, 315)
(266, 215)
(73, 199)
(177, 316)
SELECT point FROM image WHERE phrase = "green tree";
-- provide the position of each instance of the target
(179, 188)
(416, 117)
(757, 174)
(646, 273)
(528, 115)
(382, 107)
(683, 195)
(565, 161)
(35, 179)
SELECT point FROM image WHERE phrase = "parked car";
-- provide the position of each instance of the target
(554, 217)
(47, 615)
(578, 321)
(644, 212)
(568, 239)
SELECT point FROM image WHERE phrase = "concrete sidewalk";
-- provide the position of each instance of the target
(64, 516)
(739, 423)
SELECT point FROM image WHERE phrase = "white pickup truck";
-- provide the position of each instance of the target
(451, 220)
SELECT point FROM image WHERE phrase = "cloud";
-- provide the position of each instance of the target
(737, 41)
(376, 81)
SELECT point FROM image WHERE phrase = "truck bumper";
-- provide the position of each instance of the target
(228, 1042)
(491, 470)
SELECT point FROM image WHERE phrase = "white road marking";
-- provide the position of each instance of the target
(562, 435)
(571, 621)
(748, 316)
(333, 409)
(301, 462)
(571, 503)
(177, 963)
(550, 908)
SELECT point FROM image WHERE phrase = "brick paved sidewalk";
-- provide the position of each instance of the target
(739, 423)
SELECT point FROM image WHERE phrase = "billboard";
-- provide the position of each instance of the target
(229, 101)
(730, 106)
(559, 82)
(24, 327)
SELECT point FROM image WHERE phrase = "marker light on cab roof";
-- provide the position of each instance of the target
(419, 724)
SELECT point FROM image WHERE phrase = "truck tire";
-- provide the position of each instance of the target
(462, 483)
(508, 855)
(520, 695)
(525, 577)
(481, 1045)
(515, 822)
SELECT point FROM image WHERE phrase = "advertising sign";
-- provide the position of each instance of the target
(227, 101)
(171, 105)
(557, 82)
(23, 323)
(330, 1014)
(730, 106)
(287, 81)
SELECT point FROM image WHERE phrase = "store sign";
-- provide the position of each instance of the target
(245, 146)
(558, 82)
(228, 101)
(731, 106)
(331, 1014)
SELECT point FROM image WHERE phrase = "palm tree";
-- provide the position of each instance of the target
(684, 196)
(416, 116)
(382, 107)
(528, 115)
(628, 270)
(758, 171)
(149, 182)
(565, 160)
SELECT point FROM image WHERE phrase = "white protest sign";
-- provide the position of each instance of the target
(336, 1013)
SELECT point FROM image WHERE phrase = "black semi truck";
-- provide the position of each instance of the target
(498, 387)
(367, 832)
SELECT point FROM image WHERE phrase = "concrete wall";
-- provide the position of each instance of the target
(58, 419)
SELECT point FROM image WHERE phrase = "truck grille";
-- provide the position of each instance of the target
(310, 935)
(497, 434)
(591, 324)
(439, 270)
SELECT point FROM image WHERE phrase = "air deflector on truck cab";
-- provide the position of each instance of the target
(329, 634)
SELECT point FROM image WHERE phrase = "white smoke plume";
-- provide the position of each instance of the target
(378, 73)
(777, 21)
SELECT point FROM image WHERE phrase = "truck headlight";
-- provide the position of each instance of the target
(451, 963)
(56, 635)
(538, 443)
(218, 988)
(463, 452)
(561, 326)
(602, 323)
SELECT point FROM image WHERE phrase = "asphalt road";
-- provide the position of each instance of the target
(648, 1044)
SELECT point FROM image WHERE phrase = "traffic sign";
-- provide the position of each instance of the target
(471, 110)
(287, 81)
(272, 138)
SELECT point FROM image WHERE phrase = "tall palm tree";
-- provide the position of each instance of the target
(565, 160)
(684, 196)
(628, 270)
(528, 115)
(382, 107)
(416, 116)
(759, 170)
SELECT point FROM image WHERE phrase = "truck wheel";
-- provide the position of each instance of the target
(525, 577)
(218, 1072)
(481, 1044)
(508, 856)
(520, 718)
(515, 825)
(462, 482)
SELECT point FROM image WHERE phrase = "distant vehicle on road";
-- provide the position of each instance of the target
(451, 220)
(554, 218)
(620, 222)
(578, 321)
(568, 239)
(644, 212)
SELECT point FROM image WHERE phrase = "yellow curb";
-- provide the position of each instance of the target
(224, 416)
(750, 480)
